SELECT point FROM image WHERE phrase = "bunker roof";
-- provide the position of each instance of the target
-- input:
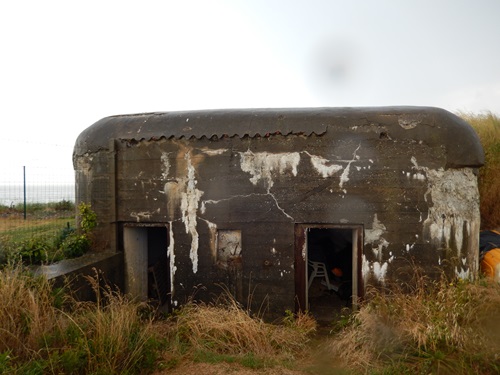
(433, 126)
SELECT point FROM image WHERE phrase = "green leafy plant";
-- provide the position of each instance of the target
(88, 218)
(75, 245)
(63, 234)
(34, 250)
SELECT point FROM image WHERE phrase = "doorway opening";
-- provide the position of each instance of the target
(327, 268)
(147, 268)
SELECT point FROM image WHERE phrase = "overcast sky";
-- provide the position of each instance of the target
(66, 64)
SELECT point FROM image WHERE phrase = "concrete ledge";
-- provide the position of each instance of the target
(73, 272)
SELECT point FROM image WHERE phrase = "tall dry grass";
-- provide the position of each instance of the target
(224, 327)
(115, 334)
(487, 126)
(437, 328)
(26, 311)
(38, 334)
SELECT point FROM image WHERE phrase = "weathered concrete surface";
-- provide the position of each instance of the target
(109, 266)
(406, 174)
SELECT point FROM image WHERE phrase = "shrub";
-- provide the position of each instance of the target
(75, 245)
(62, 235)
(64, 205)
(30, 207)
(33, 250)
(88, 218)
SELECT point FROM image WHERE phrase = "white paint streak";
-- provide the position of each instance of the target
(189, 206)
(262, 164)
(304, 249)
(463, 273)
(345, 175)
(171, 257)
(365, 269)
(380, 270)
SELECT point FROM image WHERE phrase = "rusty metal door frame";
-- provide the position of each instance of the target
(300, 264)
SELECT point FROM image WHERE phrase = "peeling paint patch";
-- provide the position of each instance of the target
(261, 165)
(409, 122)
(171, 257)
(323, 166)
(165, 165)
(453, 207)
(374, 237)
(141, 215)
(374, 234)
(210, 152)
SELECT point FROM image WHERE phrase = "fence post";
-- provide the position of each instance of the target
(24, 190)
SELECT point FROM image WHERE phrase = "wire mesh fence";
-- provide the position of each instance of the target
(35, 204)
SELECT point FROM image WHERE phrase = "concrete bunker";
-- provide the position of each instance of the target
(247, 198)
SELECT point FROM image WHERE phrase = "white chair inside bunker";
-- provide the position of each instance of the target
(319, 270)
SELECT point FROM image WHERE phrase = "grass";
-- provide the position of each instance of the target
(439, 327)
(42, 219)
(16, 230)
(487, 126)
(225, 330)
(44, 332)
(45, 235)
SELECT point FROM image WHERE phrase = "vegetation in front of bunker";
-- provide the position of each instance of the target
(438, 327)
(223, 331)
(48, 247)
(43, 330)
(487, 126)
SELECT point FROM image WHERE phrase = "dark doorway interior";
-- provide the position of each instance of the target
(329, 271)
(158, 266)
(147, 266)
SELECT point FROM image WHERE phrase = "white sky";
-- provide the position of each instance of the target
(66, 64)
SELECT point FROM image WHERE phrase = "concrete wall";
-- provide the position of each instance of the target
(413, 191)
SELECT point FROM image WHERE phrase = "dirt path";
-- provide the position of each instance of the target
(316, 361)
